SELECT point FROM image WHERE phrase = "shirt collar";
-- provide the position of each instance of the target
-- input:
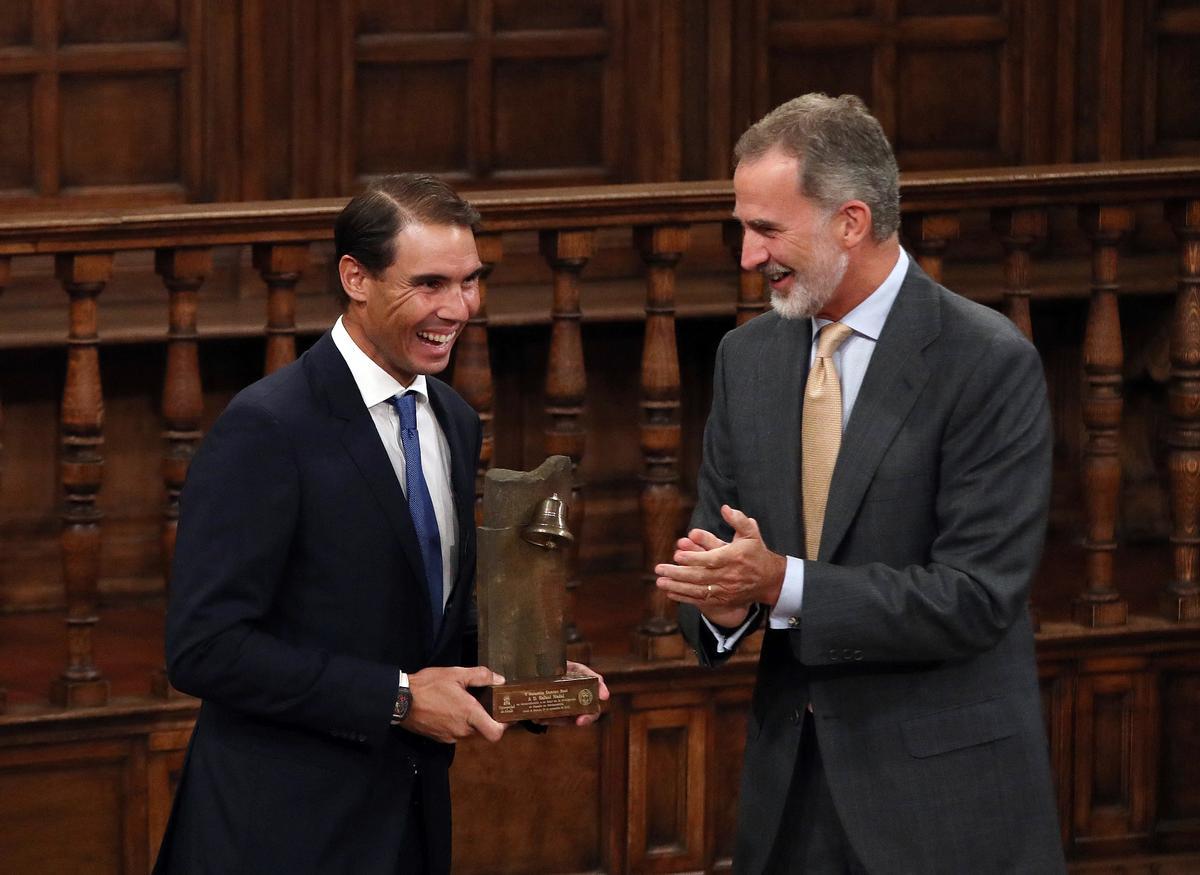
(868, 317)
(374, 383)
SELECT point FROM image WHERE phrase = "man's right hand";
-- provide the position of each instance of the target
(443, 710)
(722, 615)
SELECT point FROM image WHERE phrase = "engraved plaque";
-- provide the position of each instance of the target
(521, 591)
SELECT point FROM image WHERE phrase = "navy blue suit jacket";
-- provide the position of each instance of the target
(295, 599)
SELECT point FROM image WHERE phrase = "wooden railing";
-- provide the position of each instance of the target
(1022, 204)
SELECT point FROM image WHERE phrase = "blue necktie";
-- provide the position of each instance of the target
(420, 505)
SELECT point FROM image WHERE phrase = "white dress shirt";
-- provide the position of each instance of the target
(851, 360)
(377, 387)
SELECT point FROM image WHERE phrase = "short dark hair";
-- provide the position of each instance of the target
(843, 154)
(366, 228)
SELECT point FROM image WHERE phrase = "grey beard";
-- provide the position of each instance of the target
(806, 299)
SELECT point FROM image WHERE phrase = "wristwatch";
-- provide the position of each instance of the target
(403, 700)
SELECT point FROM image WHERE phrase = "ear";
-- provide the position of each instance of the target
(354, 277)
(856, 223)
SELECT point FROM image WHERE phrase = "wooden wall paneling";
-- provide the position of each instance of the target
(655, 109)
(1177, 820)
(1066, 82)
(957, 73)
(220, 131)
(167, 751)
(473, 365)
(1115, 752)
(614, 785)
(1101, 604)
(1039, 81)
(81, 463)
(5, 266)
(615, 106)
(726, 746)
(280, 265)
(529, 803)
(721, 131)
(1170, 78)
(667, 785)
(661, 248)
(566, 68)
(567, 253)
(1057, 682)
(492, 67)
(74, 807)
(1181, 597)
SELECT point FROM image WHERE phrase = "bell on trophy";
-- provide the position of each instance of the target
(548, 528)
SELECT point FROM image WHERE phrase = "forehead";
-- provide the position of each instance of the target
(444, 250)
(767, 189)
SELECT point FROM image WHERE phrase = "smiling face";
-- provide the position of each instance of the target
(407, 319)
(788, 237)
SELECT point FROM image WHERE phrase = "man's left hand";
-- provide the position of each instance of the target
(582, 719)
(734, 575)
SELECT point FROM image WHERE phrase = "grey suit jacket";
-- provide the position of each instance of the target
(914, 644)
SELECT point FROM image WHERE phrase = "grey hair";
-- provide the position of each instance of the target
(843, 154)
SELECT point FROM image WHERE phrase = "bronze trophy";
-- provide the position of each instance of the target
(521, 591)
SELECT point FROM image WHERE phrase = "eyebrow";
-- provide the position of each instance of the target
(424, 278)
(760, 225)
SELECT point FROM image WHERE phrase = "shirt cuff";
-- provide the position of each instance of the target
(727, 642)
(786, 613)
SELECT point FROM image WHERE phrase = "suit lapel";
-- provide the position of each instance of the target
(782, 372)
(361, 441)
(894, 379)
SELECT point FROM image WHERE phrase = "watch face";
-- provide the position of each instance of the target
(403, 703)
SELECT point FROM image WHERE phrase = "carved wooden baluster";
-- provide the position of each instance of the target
(1181, 599)
(5, 263)
(1020, 230)
(183, 272)
(83, 277)
(752, 299)
(281, 265)
(1100, 604)
(661, 247)
(568, 252)
(473, 365)
(928, 234)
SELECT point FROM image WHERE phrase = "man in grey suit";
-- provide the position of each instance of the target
(874, 488)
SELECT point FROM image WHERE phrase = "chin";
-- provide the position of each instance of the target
(798, 303)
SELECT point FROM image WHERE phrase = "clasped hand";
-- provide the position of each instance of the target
(724, 579)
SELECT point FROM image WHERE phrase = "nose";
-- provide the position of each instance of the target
(460, 303)
(754, 253)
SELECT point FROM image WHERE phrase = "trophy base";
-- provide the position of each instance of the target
(543, 698)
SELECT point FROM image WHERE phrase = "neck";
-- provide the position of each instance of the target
(869, 266)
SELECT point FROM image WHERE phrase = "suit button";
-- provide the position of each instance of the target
(833, 656)
(798, 715)
(847, 654)
(858, 656)
(793, 622)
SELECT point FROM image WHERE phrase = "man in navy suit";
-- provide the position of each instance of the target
(322, 581)
(874, 489)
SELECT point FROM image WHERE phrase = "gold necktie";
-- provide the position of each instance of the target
(822, 432)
